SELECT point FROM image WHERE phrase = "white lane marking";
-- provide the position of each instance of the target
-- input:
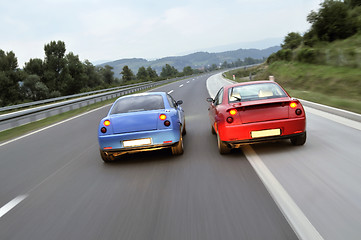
(335, 118)
(10, 205)
(181, 85)
(53, 125)
(187, 81)
(295, 217)
(170, 91)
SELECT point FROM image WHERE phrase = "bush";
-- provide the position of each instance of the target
(307, 55)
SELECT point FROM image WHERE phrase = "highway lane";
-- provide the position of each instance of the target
(323, 176)
(72, 194)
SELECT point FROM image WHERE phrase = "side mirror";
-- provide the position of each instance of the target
(210, 100)
(179, 102)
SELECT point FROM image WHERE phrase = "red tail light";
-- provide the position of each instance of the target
(162, 117)
(293, 104)
(233, 112)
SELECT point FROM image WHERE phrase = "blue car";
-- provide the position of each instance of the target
(142, 122)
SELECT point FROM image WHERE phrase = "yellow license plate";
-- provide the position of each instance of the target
(137, 142)
(266, 133)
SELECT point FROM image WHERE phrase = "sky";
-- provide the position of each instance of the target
(115, 29)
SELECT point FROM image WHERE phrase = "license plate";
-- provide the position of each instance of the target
(137, 142)
(266, 133)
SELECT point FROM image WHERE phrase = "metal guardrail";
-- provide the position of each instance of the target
(50, 100)
(18, 118)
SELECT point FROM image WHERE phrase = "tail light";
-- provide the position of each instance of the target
(293, 104)
(164, 117)
(229, 119)
(298, 111)
(106, 123)
(233, 112)
(103, 130)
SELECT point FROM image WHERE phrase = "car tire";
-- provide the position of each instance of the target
(184, 132)
(213, 131)
(178, 148)
(222, 147)
(106, 158)
(299, 140)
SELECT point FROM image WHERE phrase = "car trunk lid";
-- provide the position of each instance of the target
(263, 110)
(135, 122)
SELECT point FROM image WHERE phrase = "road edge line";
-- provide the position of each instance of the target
(50, 126)
(10, 205)
(295, 217)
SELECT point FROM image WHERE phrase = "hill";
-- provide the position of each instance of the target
(197, 60)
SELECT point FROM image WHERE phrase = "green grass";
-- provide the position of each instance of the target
(339, 87)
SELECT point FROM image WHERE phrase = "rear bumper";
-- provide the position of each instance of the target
(241, 133)
(235, 144)
(159, 139)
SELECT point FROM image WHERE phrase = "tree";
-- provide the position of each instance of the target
(142, 74)
(10, 77)
(152, 74)
(127, 74)
(34, 66)
(54, 65)
(168, 71)
(94, 77)
(187, 71)
(108, 74)
(353, 3)
(292, 41)
(332, 21)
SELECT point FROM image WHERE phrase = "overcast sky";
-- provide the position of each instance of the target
(115, 29)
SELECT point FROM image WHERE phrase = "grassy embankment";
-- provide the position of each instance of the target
(334, 80)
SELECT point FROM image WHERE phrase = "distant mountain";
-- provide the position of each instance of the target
(196, 60)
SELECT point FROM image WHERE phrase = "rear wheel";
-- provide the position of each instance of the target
(222, 147)
(212, 129)
(299, 140)
(106, 158)
(184, 132)
(178, 148)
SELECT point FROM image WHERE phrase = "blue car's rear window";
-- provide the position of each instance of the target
(138, 103)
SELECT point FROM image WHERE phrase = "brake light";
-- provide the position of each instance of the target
(233, 112)
(106, 123)
(293, 105)
(162, 117)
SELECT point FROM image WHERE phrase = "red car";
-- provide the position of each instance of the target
(257, 111)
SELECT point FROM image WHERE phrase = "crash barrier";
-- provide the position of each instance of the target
(18, 118)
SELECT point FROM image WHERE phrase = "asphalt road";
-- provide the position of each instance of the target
(67, 192)
(53, 184)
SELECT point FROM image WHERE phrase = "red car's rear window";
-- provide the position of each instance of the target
(254, 92)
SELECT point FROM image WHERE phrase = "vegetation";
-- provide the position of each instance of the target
(61, 74)
(323, 65)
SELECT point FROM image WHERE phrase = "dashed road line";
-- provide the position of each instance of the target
(170, 91)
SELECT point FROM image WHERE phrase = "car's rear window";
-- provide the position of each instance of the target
(138, 103)
(253, 92)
